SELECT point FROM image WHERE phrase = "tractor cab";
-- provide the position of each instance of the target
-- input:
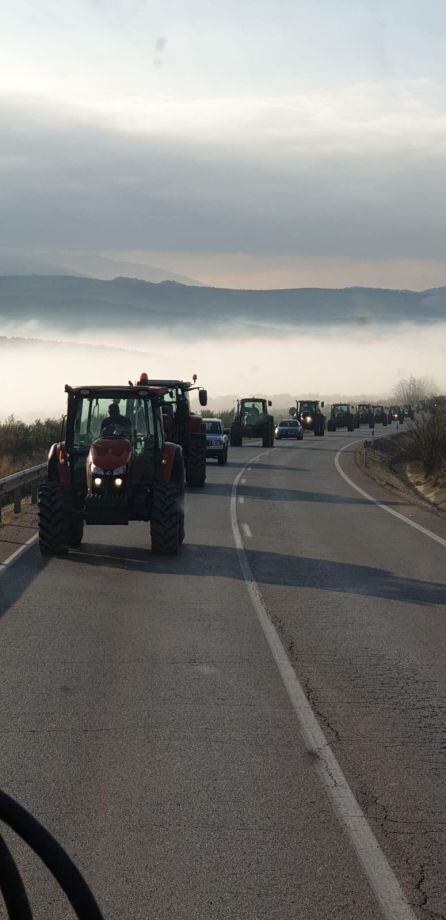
(185, 427)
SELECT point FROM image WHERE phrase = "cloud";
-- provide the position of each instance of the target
(351, 175)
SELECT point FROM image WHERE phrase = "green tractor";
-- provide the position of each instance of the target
(342, 415)
(252, 420)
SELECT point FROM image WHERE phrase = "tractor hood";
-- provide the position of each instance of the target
(110, 453)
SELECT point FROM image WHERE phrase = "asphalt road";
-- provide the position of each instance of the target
(144, 720)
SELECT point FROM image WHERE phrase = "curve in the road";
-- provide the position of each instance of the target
(375, 501)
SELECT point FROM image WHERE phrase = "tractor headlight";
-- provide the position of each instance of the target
(119, 471)
(97, 482)
(96, 469)
(308, 419)
(118, 482)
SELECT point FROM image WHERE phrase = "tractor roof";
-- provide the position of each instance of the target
(170, 383)
(110, 391)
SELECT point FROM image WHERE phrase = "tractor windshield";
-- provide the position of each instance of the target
(253, 407)
(102, 416)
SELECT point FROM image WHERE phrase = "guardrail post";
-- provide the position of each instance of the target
(17, 501)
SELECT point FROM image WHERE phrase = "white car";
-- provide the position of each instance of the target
(217, 441)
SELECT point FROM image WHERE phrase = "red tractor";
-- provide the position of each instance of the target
(185, 427)
(114, 466)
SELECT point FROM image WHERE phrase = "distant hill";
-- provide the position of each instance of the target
(76, 303)
(83, 264)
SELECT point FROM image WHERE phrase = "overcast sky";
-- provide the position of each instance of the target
(244, 143)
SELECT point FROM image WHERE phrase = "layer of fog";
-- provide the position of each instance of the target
(342, 363)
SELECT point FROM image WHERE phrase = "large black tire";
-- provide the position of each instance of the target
(75, 531)
(331, 426)
(221, 459)
(53, 520)
(235, 435)
(351, 423)
(371, 423)
(384, 422)
(196, 464)
(167, 522)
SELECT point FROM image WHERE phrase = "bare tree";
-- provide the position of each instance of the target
(412, 390)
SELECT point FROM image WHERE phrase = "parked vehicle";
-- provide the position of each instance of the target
(217, 441)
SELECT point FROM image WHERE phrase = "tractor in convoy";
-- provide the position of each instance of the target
(184, 427)
(395, 414)
(252, 420)
(112, 466)
(364, 415)
(308, 411)
(380, 416)
(342, 415)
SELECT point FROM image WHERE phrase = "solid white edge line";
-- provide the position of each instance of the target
(4, 566)
(397, 514)
(381, 877)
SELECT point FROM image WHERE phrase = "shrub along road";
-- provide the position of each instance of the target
(144, 720)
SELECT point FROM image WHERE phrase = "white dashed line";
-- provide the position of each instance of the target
(241, 499)
(380, 875)
(247, 530)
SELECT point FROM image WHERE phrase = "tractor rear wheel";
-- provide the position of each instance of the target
(167, 522)
(53, 520)
(235, 435)
(196, 464)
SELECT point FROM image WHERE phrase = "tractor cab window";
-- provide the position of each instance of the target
(175, 403)
(105, 416)
(253, 407)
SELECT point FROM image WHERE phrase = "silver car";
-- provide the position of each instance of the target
(217, 441)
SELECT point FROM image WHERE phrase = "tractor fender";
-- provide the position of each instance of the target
(58, 469)
(172, 462)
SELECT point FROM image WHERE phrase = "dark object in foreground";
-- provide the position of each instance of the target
(113, 466)
(52, 855)
(185, 427)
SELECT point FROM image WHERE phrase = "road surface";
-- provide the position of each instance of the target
(146, 722)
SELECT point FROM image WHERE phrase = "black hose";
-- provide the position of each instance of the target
(12, 887)
(52, 855)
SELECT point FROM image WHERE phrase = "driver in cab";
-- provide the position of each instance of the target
(115, 423)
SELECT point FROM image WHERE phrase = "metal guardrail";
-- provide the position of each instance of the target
(18, 484)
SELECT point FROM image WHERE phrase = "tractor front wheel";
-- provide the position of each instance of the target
(53, 520)
(167, 522)
(76, 531)
(196, 464)
(235, 435)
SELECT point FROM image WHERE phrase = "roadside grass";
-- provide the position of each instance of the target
(23, 445)
(412, 461)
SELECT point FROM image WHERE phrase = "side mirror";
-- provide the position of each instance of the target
(203, 397)
(322, 404)
(269, 402)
